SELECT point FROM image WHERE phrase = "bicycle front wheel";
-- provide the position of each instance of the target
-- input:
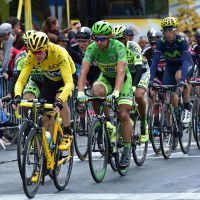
(22, 135)
(166, 136)
(32, 163)
(98, 151)
(139, 150)
(81, 128)
(154, 132)
(63, 163)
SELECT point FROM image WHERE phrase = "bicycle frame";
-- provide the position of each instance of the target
(49, 154)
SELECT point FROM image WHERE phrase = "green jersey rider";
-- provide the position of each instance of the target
(140, 75)
(114, 81)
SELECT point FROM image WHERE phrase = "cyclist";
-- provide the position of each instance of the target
(58, 84)
(153, 35)
(84, 35)
(140, 76)
(114, 80)
(174, 48)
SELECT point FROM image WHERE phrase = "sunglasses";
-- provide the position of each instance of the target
(83, 40)
(168, 29)
(38, 52)
(100, 38)
(152, 43)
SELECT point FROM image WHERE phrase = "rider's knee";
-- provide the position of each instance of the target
(98, 90)
(28, 96)
(139, 93)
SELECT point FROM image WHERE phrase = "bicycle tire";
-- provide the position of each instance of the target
(98, 146)
(195, 121)
(80, 140)
(154, 139)
(33, 146)
(165, 136)
(139, 150)
(22, 134)
(186, 132)
(64, 157)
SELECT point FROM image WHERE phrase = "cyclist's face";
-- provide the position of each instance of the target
(169, 34)
(101, 41)
(83, 44)
(40, 55)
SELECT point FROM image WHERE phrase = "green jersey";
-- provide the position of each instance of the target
(133, 58)
(36, 74)
(107, 59)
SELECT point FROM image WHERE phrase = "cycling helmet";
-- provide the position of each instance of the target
(169, 22)
(197, 35)
(101, 27)
(84, 32)
(134, 46)
(119, 31)
(26, 35)
(38, 41)
(154, 35)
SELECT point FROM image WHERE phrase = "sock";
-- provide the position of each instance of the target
(128, 145)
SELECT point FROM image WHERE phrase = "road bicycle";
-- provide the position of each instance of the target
(40, 158)
(177, 128)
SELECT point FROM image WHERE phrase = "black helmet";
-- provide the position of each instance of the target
(84, 33)
(154, 34)
(197, 35)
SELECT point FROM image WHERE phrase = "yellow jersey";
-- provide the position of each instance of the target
(58, 65)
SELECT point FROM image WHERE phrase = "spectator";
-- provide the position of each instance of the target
(143, 42)
(51, 27)
(62, 40)
(130, 34)
(7, 39)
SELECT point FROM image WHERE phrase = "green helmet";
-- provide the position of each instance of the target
(119, 31)
(26, 35)
(101, 27)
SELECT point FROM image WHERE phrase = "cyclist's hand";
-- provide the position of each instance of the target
(58, 106)
(16, 101)
(112, 96)
(82, 97)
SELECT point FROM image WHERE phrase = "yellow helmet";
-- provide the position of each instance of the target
(38, 41)
(169, 21)
(119, 31)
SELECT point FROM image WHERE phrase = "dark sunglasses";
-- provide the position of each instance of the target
(168, 29)
(152, 43)
(38, 52)
(83, 40)
(100, 38)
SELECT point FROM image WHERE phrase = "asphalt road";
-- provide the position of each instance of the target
(175, 178)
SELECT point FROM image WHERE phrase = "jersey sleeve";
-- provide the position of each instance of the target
(24, 75)
(66, 73)
(89, 53)
(73, 68)
(121, 52)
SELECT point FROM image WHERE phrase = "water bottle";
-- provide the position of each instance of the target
(49, 139)
(78, 69)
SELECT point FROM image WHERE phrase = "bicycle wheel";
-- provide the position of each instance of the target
(139, 150)
(166, 136)
(63, 163)
(98, 151)
(196, 121)
(81, 129)
(153, 135)
(32, 163)
(186, 136)
(22, 135)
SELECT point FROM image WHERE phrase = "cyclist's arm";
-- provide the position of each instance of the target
(154, 64)
(66, 73)
(121, 66)
(186, 60)
(83, 74)
(23, 77)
